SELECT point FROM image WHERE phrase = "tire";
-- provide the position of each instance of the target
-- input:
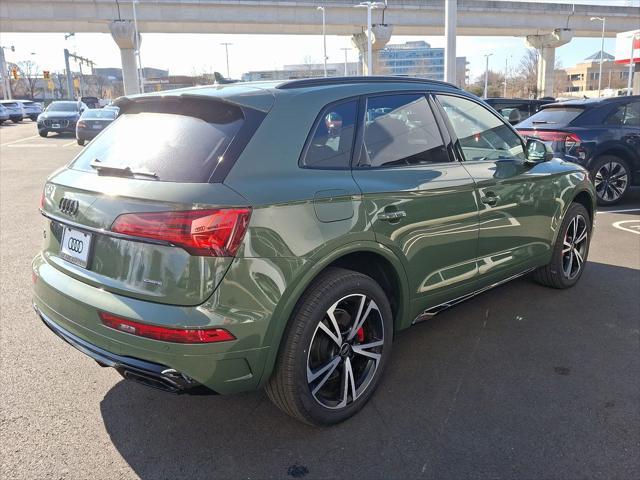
(611, 176)
(561, 271)
(315, 357)
(43, 133)
(16, 120)
(80, 142)
(33, 118)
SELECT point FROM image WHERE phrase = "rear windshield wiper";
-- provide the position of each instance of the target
(542, 121)
(120, 171)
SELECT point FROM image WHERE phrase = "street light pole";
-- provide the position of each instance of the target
(369, 6)
(226, 50)
(604, 21)
(486, 74)
(324, 40)
(346, 69)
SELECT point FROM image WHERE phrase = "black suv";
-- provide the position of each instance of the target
(602, 134)
(515, 110)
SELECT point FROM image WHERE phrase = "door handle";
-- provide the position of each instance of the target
(490, 199)
(392, 216)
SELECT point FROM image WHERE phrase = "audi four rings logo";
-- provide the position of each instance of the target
(75, 245)
(68, 206)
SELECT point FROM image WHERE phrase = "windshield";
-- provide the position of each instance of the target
(63, 107)
(109, 114)
(557, 116)
(177, 141)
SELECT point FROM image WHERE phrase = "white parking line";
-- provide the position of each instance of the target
(620, 211)
(70, 143)
(17, 141)
(32, 145)
(631, 228)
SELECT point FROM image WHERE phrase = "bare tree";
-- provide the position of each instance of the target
(101, 84)
(29, 74)
(527, 73)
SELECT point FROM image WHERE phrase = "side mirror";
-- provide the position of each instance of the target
(538, 151)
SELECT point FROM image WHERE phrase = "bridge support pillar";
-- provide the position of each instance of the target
(123, 33)
(546, 46)
(380, 35)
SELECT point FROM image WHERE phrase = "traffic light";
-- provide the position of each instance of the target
(14, 72)
(45, 74)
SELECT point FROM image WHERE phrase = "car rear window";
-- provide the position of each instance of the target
(177, 140)
(553, 116)
(99, 113)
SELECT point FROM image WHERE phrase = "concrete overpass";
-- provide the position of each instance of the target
(547, 25)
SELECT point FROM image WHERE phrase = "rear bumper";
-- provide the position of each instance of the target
(73, 306)
(148, 373)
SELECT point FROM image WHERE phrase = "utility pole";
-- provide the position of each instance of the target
(346, 66)
(80, 60)
(5, 73)
(226, 49)
(324, 40)
(506, 73)
(603, 20)
(486, 74)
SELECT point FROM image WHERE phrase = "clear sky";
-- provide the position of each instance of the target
(202, 53)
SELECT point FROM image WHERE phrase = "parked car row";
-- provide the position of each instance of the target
(75, 117)
(17, 110)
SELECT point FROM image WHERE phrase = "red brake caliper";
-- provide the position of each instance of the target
(360, 334)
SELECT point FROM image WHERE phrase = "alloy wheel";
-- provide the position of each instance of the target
(574, 248)
(345, 351)
(611, 181)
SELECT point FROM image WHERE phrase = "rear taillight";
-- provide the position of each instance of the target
(216, 233)
(42, 200)
(175, 335)
(570, 140)
(82, 124)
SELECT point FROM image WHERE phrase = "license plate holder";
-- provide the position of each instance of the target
(75, 246)
(55, 125)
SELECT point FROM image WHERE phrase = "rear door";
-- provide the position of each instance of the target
(156, 160)
(421, 202)
(516, 200)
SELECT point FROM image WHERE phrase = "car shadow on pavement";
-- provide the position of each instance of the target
(520, 382)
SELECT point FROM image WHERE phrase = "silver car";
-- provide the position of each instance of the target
(16, 112)
(31, 109)
(4, 114)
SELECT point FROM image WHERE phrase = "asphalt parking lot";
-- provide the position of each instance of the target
(521, 382)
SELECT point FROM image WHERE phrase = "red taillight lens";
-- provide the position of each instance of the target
(42, 201)
(216, 233)
(569, 139)
(175, 335)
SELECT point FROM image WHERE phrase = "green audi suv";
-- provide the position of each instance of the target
(227, 238)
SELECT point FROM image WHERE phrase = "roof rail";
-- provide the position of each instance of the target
(321, 81)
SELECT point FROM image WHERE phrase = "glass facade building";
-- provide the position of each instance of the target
(416, 59)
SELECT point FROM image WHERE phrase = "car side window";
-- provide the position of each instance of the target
(481, 135)
(401, 130)
(332, 140)
(627, 114)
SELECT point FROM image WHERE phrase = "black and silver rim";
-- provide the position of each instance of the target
(574, 249)
(611, 181)
(345, 351)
